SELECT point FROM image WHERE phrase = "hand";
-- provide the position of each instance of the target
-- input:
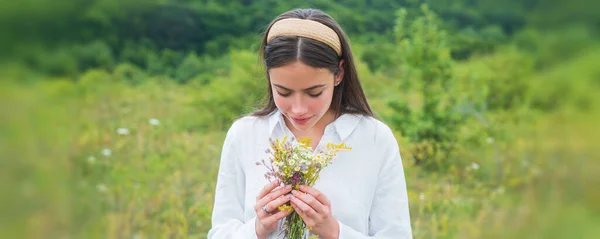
(315, 210)
(267, 223)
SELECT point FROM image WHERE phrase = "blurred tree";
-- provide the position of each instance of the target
(477, 27)
(432, 126)
(170, 26)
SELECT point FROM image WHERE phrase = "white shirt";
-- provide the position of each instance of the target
(366, 186)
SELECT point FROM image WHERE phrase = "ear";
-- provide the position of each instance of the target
(340, 76)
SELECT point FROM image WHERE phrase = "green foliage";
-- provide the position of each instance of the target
(553, 46)
(228, 97)
(137, 53)
(188, 68)
(469, 41)
(96, 54)
(71, 60)
(374, 56)
(173, 26)
(501, 118)
(499, 80)
(423, 54)
(567, 85)
(129, 73)
(59, 62)
(202, 26)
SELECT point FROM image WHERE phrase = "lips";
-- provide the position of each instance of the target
(300, 120)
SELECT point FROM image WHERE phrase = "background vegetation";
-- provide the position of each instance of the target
(114, 112)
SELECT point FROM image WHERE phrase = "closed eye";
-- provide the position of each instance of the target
(284, 95)
(311, 95)
(315, 95)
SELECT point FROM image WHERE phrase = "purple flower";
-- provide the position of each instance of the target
(295, 178)
(303, 167)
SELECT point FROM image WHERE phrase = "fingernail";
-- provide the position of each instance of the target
(288, 187)
(301, 187)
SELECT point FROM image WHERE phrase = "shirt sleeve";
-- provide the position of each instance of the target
(228, 211)
(389, 217)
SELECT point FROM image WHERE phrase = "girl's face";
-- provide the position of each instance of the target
(302, 93)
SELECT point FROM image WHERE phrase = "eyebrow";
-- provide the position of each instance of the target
(307, 89)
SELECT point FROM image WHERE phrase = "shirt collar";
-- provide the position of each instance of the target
(344, 125)
(274, 120)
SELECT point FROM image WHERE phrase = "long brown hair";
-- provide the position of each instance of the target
(348, 96)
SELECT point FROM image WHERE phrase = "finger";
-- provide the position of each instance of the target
(316, 194)
(310, 201)
(307, 220)
(268, 188)
(276, 217)
(273, 195)
(306, 209)
(274, 205)
(281, 200)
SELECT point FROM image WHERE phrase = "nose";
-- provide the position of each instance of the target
(299, 107)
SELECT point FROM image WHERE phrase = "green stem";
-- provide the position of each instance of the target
(294, 227)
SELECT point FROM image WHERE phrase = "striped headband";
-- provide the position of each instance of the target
(306, 28)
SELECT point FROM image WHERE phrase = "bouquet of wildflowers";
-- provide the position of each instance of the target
(297, 164)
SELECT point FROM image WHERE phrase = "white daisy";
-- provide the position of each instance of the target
(102, 187)
(154, 121)
(122, 131)
(106, 152)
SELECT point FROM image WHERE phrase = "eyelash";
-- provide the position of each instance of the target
(315, 95)
(311, 95)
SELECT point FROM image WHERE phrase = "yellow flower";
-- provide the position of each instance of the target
(305, 142)
(300, 156)
(285, 208)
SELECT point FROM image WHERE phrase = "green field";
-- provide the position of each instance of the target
(97, 145)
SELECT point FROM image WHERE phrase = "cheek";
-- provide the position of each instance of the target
(280, 101)
(322, 103)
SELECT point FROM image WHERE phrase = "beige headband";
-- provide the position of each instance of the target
(306, 28)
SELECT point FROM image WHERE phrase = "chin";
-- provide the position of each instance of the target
(303, 127)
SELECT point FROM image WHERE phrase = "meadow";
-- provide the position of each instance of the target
(510, 149)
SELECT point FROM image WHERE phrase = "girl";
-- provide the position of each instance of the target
(314, 92)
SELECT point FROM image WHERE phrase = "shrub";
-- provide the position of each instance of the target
(432, 124)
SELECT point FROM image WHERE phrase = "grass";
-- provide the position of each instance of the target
(535, 178)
